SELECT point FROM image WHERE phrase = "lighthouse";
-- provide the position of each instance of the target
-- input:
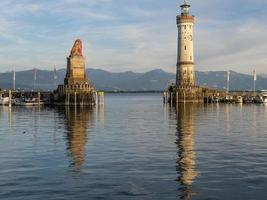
(186, 90)
(185, 75)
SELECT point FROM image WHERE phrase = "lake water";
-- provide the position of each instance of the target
(134, 147)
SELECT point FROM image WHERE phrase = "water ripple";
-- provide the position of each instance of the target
(134, 148)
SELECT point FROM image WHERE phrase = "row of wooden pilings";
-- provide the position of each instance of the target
(168, 97)
(182, 96)
(212, 96)
(99, 98)
(172, 97)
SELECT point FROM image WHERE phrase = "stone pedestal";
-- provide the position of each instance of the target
(184, 95)
(77, 89)
(75, 95)
(189, 95)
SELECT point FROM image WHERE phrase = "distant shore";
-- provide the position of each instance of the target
(133, 92)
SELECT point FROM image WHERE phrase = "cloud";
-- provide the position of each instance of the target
(139, 47)
(132, 35)
(232, 45)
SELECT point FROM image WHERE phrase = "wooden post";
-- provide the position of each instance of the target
(39, 98)
(68, 99)
(167, 97)
(10, 98)
(103, 98)
(81, 102)
(100, 98)
(96, 98)
(75, 99)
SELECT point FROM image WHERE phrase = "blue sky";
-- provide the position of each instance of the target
(137, 35)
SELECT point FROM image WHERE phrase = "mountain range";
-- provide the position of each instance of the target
(155, 80)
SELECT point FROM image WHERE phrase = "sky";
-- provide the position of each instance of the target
(136, 35)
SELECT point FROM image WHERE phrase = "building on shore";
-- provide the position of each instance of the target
(77, 89)
(185, 89)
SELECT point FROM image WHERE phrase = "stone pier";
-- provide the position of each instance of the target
(77, 89)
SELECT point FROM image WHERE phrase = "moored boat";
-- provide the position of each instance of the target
(239, 99)
(4, 100)
(262, 97)
(28, 102)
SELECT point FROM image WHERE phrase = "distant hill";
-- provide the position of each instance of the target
(130, 81)
(238, 81)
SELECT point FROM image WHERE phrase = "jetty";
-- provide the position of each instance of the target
(185, 90)
(220, 96)
(77, 89)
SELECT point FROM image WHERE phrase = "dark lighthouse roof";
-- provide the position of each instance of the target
(185, 5)
(185, 9)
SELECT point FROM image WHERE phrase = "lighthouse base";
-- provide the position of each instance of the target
(193, 94)
(75, 95)
(189, 95)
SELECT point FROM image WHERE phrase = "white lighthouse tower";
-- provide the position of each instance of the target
(185, 60)
(186, 89)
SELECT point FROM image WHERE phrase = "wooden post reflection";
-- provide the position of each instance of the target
(100, 115)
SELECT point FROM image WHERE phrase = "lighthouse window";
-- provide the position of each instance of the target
(184, 26)
(184, 47)
(190, 57)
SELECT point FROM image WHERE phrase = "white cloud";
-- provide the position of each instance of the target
(233, 46)
(132, 35)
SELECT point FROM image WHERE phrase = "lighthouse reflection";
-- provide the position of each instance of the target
(186, 163)
(78, 121)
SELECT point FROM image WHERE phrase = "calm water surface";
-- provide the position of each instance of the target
(134, 148)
